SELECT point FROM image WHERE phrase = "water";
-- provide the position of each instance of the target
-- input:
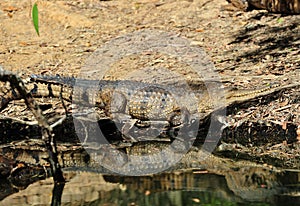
(255, 188)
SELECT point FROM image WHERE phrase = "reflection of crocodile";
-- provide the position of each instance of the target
(247, 180)
(75, 156)
(155, 156)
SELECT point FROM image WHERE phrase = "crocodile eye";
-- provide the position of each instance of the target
(33, 76)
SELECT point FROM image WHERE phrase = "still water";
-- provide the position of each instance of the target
(254, 187)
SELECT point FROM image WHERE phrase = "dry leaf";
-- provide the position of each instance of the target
(282, 104)
(199, 30)
(10, 9)
(284, 125)
(197, 200)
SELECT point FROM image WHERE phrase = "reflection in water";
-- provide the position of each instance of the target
(256, 187)
(173, 189)
(57, 193)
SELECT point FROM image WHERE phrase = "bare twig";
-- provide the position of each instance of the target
(31, 123)
(282, 108)
(58, 122)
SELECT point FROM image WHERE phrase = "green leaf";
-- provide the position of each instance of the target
(280, 20)
(35, 18)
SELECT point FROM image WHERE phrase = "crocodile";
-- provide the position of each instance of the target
(139, 100)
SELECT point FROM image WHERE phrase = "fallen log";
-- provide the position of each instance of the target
(275, 6)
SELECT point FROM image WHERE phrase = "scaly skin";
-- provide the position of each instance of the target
(75, 156)
(138, 100)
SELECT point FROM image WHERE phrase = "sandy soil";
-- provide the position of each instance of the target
(241, 45)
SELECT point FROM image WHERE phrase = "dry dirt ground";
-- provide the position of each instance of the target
(248, 49)
(241, 44)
